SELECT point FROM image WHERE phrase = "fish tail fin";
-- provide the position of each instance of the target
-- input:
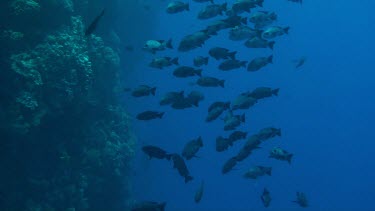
(275, 92)
(169, 44)
(206, 60)
(175, 61)
(289, 158)
(188, 178)
(187, 7)
(232, 55)
(286, 30)
(243, 63)
(243, 118)
(221, 83)
(271, 44)
(153, 90)
(270, 58)
(161, 114)
(162, 206)
(198, 72)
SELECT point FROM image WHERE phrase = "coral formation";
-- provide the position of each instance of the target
(66, 141)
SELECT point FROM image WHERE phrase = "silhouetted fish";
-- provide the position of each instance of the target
(94, 24)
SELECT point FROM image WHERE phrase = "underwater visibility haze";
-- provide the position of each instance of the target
(187, 105)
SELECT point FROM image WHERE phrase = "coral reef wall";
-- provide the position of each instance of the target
(65, 138)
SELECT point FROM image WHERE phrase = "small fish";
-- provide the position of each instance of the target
(222, 143)
(268, 132)
(237, 135)
(156, 152)
(199, 193)
(252, 143)
(258, 63)
(149, 115)
(216, 109)
(171, 97)
(157, 45)
(212, 10)
(232, 64)
(281, 154)
(194, 97)
(228, 166)
(210, 82)
(257, 171)
(177, 6)
(162, 62)
(263, 92)
(266, 198)
(232, 121)
(221, 53)
(243, 102)
(301, 200)
(299, 62)
(274, 31)
(143, 90)
(243, 154)
(200, 61)
(257, 42)
(192, 147)
(179, 164)
(242, 32)
(91, 28)
(185, 71)
(262, 18)
(182, 103)
(245, 6)
(149, 206)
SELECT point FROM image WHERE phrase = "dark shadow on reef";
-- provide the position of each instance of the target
(65, 139)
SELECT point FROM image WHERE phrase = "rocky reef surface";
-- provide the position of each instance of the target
(65, 138)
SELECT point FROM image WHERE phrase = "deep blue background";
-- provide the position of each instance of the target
(325, 110)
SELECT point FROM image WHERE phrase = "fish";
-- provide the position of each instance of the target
(191, 148)
(274, 31)
(149, 206)
(266, 198)
(162, 62)
(237, 135)
(258, 63)
(301, 200)
(228, 165)
(156, 152)
(91, 28)
(210, 82)
(232, 121)
(252, 142)
(182, 103)
(157, 45)
(195, 97)
(171, 97)
(243, 102)
(185, 71)
(200, 61)
(212, 10)
(243, 154)
(262, 18)
(216, 109)
(150, 115)
(199, 193)
(195, 40)
(242, 32)
(258, 171)
(281, 154)
(257, 42)
(263, 92)
(232, 64)
(221, 53)
(241, 6)
(222, 144)
(299, 62)
(177, 6)
(179, 164)
(268, 132)
(143, 90)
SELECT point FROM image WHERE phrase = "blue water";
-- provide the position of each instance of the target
(325, 110)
